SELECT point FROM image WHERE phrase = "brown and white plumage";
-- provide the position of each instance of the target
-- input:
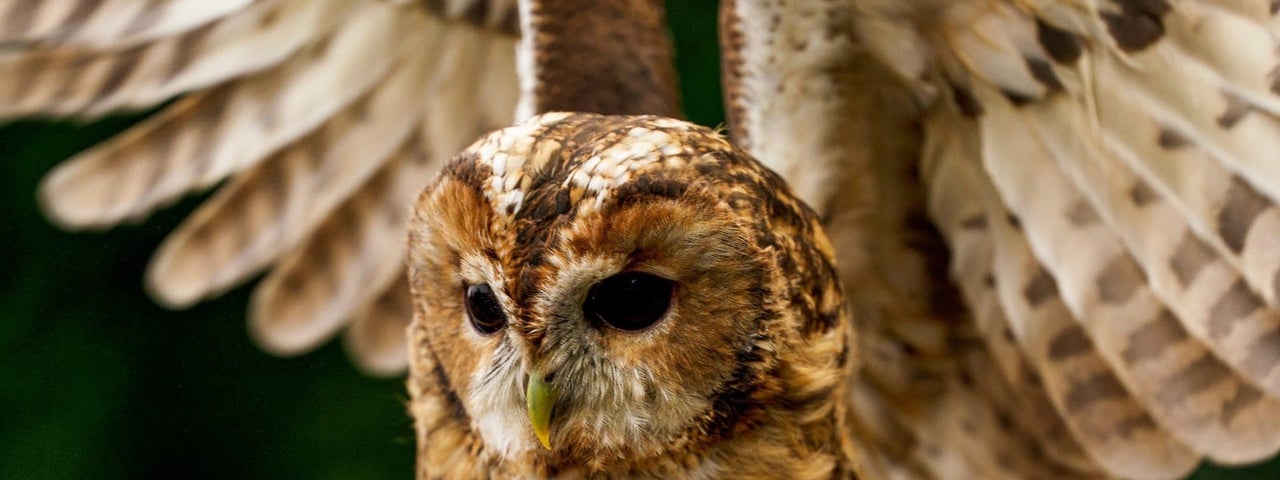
(742, 373)
(1100, 172)
(1054, 220)
(322, 117)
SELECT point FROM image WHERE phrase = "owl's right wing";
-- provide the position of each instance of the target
(1097, 181)
(322, 118)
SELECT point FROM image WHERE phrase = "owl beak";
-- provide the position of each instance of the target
(541, 397)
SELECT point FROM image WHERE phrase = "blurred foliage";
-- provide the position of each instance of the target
(96, 381)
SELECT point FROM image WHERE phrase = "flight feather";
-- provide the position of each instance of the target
(322, 118)
(1099, 174)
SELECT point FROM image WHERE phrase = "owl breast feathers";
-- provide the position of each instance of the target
(539, 256)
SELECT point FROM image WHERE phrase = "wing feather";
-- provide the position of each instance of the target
(352, 258)
(206, 136)
(377, 338)
(1111, 425)
(1102, 232)
(1101, 173)
(82, 81)
(325, 284)
(270, 208)
(1188, 389)
(1195, 284)
(106, 23)
(325, 117)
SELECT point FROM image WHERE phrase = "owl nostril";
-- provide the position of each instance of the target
(524, 378)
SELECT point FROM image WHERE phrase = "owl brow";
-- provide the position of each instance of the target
(661, 184)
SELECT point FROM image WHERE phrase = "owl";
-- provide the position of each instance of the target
(630, 296)
(940, 239)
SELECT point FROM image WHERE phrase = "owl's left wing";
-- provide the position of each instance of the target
(323, 118)
(1101, 174)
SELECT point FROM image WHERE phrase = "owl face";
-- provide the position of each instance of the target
(589, 293)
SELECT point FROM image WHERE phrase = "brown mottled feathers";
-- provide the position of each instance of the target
(610, 57)
(741, 377)
(1100, 174)
(1053, 222)
(323, 117)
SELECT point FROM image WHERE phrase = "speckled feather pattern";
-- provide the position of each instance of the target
(741, 378)
(1089, 174)
(1042, 241)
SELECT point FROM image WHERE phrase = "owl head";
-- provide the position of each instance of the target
(612, 294)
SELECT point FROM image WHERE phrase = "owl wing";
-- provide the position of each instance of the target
(322, 119)
(1096, 181)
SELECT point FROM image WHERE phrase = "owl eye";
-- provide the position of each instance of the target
(484, 310)
(629, 301)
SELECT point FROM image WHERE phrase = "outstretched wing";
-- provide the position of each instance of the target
(323, 118)
(1101, 174)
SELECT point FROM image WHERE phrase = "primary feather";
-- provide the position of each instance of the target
(322, 117)
(105, 23)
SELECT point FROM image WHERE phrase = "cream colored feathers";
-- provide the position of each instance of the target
(1102, 173)
(322, 117)
(1055, 221)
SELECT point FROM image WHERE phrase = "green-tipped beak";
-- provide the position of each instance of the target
(541, 397)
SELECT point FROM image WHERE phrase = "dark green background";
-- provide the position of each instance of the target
(96, 381)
